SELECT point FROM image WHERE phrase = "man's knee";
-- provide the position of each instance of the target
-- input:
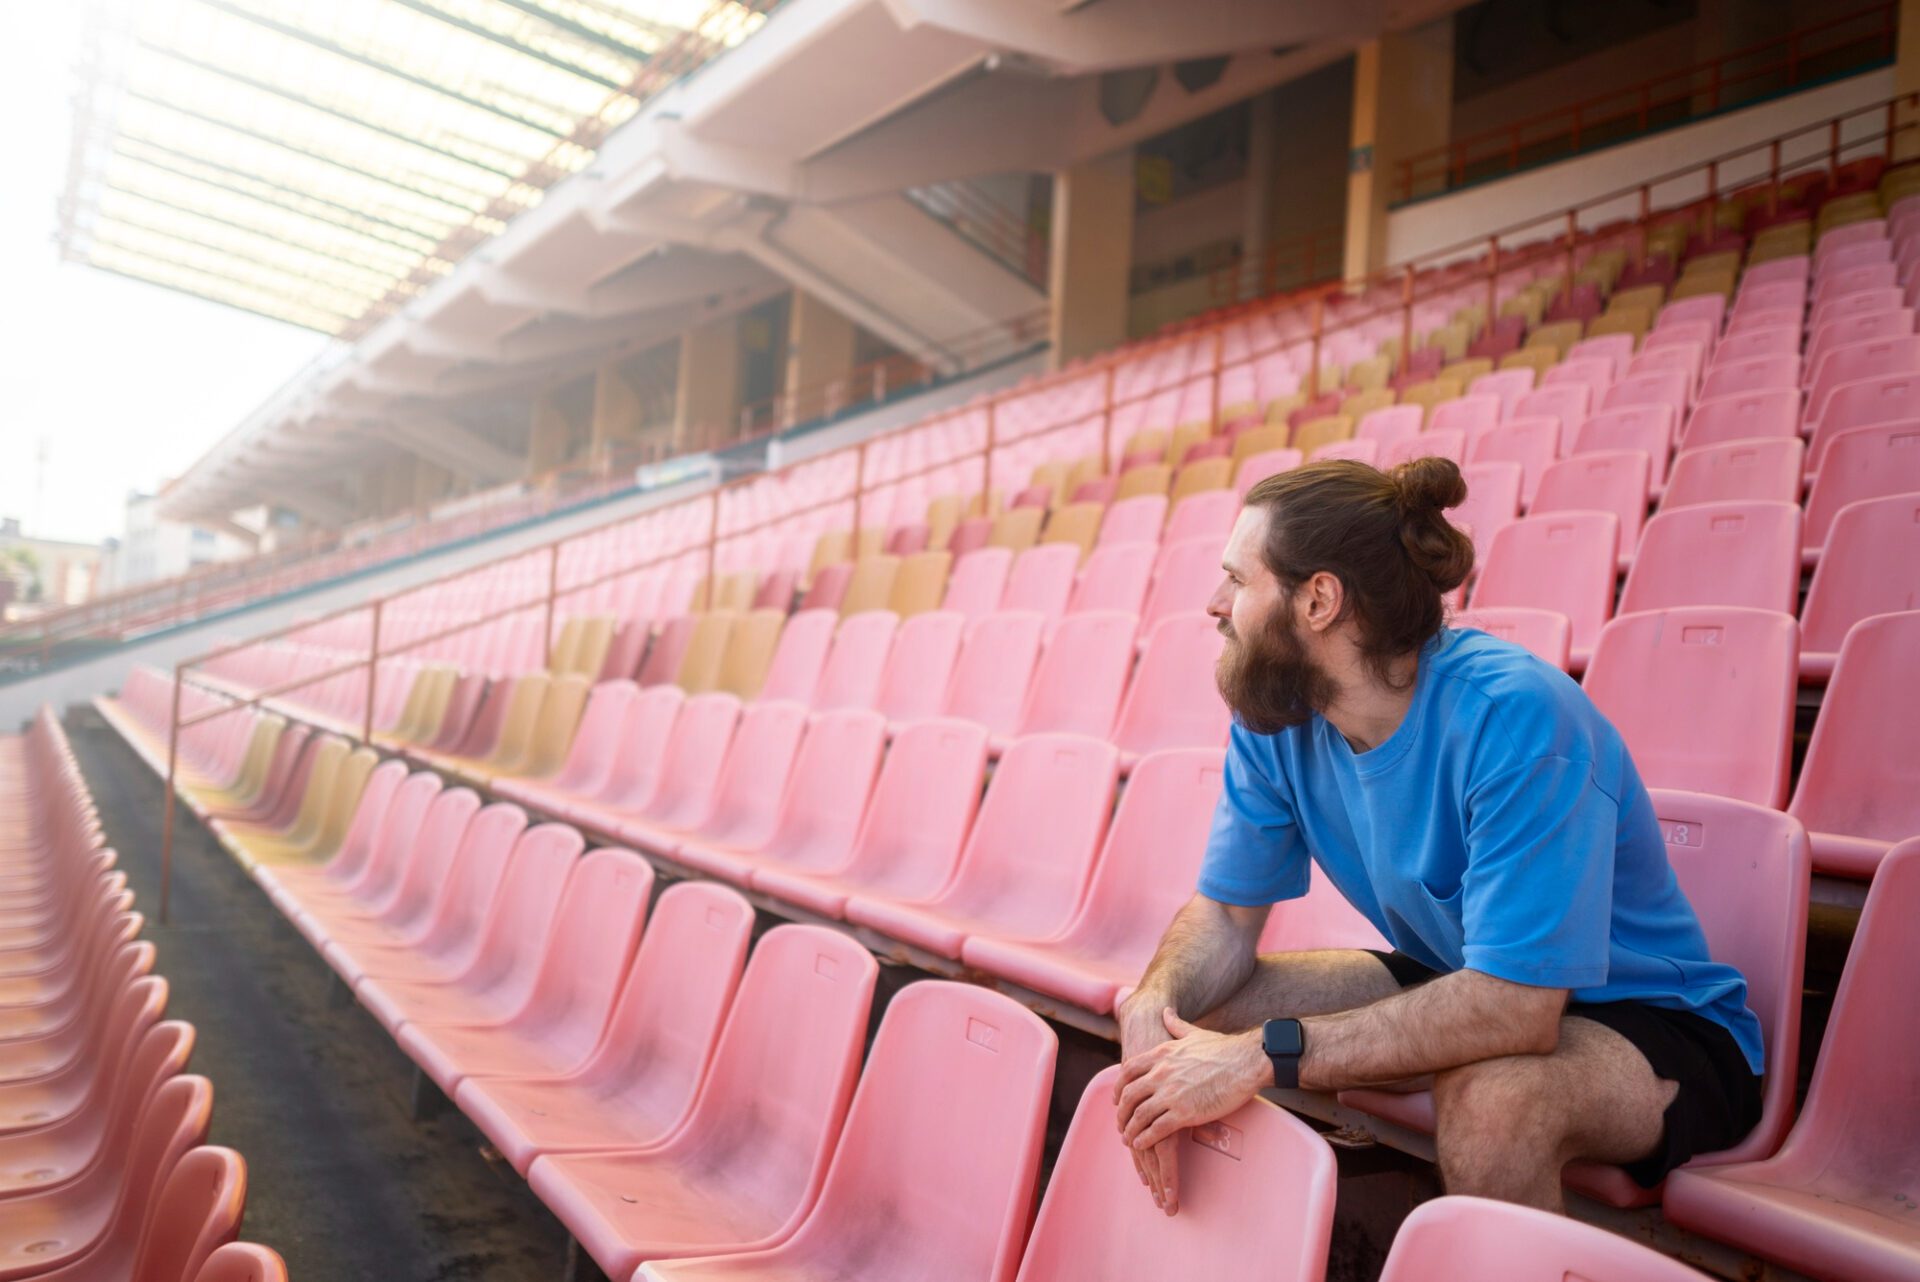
(1499, 1127)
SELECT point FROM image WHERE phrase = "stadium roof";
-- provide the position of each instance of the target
(323, 161)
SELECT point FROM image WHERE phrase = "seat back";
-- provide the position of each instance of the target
(1760, 470)
(1492, 503)
(920, 584)
(749, 652)
(954, 1069)
(797, 660)
(1743, 416)
(1387, 424)
(1447, 444)
(1184, 579)
(1042, 579)
(1871, 566)
(1564, 562)
(554, 730)
(242, 1262)
(828, 588)
(1875, 399)
(855, 665)
(1858, 778)
(596, 928)
(923, 804)
(1470, 1237)
(979, 580)
(706, 649)
(1173, 701)
(195, 1212)
(590, 756)
(1533, 443)
(1649, 427)
(522, 918)
(1209, 514)
(1134, 520)
(690, 763)
(1505, 385)
(1077, 524)
(995, 667)
(377, 799)
(920, 665)
(1615, 481)
(425, 845)
(641, 749)
(1077, 685)
(522, 712)
(1546, 633)
(1568, 402)
(1204, 475)
(174, 1123)
(1467, 415)
(1256, 468)
(1863, 463)
(871, 584)
(328, 756)
(1729, 378)
(753, 778)
(832, 780)
(1738, 554)
(1115, 578)
(1257, 1184)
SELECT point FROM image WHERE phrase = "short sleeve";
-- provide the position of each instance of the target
(1537, 896)
(1255, 854)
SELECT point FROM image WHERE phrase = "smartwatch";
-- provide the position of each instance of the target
(1285, 1042)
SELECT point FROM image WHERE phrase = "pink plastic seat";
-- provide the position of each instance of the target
(857, 662)
(1173, 700)
(641, 1078)
(1864, 463)
(1115, 577)
(1765, 470)
(180, 1223)
(596, 927)
(1256, 1185)
(1040, 496)
(1854, 329)
(688, 773)
(1838, 303)
(1492, 503)
(1596, 374)
(1668, 352)
(968, 537)
(392, 799)
(1546, 633)
(1183, 580)
(1875, 401)
(1772, 343)
(639, 754)
(776, 590)
(915, 824)
(1565, 561)
(1026, 863)
(739, 803)
(1256, 468)
(1891, 365)
(1708, 308)
(979, 579)
(1744, 868)
(1042, 579)
(817, 821)
(1100, 489)
(1857, 793)
(798, 658)
(1834, 1201)
(1789, 311)
(1509, 385)
(920, 665)
(668, 651)
(243, 1262)
(1082, 672)
(953, 1070)
(1872, 566)
(1390, 423)
(1207, 514)
(1134, 520)
(1466, 415)
(830, 582)
(1470, 1237)
(1568, 402)
(744, 1167)
(1532, 443)
(1772, 372)
(996, 666)
(1647, 428)
(1446, 444)
(1614, 481)
(1703, 696)
(902, 541)
(1743, 416)
(1367, 452)
(1731, 554)
(589, 760)
(1144, 874)
(1615, 349)
(1669, 387)
(512, 938)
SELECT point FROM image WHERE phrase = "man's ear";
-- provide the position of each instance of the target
(1325, 595)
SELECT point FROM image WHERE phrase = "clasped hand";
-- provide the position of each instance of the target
(1193, 1078)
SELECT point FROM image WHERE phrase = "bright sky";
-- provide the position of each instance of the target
(125, 383)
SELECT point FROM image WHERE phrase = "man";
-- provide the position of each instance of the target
(1550, 983)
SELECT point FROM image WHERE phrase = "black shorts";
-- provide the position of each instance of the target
(1719, 1097)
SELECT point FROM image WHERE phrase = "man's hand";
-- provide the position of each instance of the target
(1142, 1028)
(1191, 1079)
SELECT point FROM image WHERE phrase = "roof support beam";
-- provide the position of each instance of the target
(444, 443)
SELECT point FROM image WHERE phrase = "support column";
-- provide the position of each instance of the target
(616, 410)
(431, 483)
(1092, 256)
(1263, 135)
(1906, 79)
(706, 406)
(1402, 105)
(820, 351)
(550, 436)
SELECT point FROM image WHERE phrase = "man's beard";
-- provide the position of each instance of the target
(1268, 680)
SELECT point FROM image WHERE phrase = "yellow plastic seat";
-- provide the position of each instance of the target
(868, 589)
(706, 646)
(1184, 439)
(1077, 523)
(943, 517)
(1464, 372)
(560, 657)
(1537, 359)
(1153, 479)
(1556, 336)
(1090, 468)
(241, 839)
(1016, 528)
(590, 653)
(1371, 374)
(524, 702)
(1153, 440)
(1431, 392)
(252, 774)
(545, 748)
(1315, 432)
(920, 584)
(1053, 475)
(831, 548)
(749, 652)
(1257, 440)
(1280, 408)
(1528, 303)
(1699, 284)
(1361, 404)
(1630, 320)
(433, 709)
(342, 799)
(1196, 478)
(1641, 298)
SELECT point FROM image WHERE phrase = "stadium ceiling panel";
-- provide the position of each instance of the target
(323, 161)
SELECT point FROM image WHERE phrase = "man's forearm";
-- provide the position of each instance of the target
(1202, 961)
(1458, 1019)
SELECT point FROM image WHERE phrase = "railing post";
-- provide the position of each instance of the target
(1106, 422)
(1493, 277)
(166, 823)
(1406, 317)
(1313, 360)
(1891, 116)
(1833, 149)
(373, 673)
(1640, 223)
(859, 488)
(1214, 418)
(553, 590)
(1711, 209)
(1773, 177)
(1573, 236)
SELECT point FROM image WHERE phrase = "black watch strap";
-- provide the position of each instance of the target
(1284, 1042)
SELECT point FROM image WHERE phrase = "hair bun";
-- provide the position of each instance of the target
(1424, 489)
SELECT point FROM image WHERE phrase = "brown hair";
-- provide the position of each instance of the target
(1382, 534)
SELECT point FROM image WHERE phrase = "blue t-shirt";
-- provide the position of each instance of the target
(1502, 828)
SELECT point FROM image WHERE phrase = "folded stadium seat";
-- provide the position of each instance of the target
(1834, 1201)
(1492, 503)
(1751, 346)
(1173, 701)
(301, 790)
(1531, 443)
(1839, 303)
(927, 1094)
(672, 785)
(172, 1230)
(856, 664)
(1850, 330)
(1890, 365)
(795, 668)
(744, 791)
(1078, 681)
(1703, 696)
(1871, 402)
(919, 667)
(920, 584)
(596, 928)
(1506, 385)
(546, 747)
(1649, 428)
(1720, 554)
(43, 1232)
(1134, 520)
(1743, 416)
(1565, 562)
(503, 720)
(1855, 793)
(1773, 371)
(1568, 402)
(432, 930)
(979, 581)
(1615, 349)
(1115, 577)
(392, 804)
(1471, 1237)
(1669, 387)
(1546, 633)
(818, 815)
(1256, 468)
(109, 1027)
(1744, 868)
(1206, 515)
(910, 838)
(639, 1080)
(1763, 470)
(1184, 578)
(1144, 873)
(1256, 1185)
(990, 678)
(1614, 481)
(1468, 415)
(1042, 579)
(788, 1058)
(1862, 463)
(1873, 568)
(512, 938)
(829, 587)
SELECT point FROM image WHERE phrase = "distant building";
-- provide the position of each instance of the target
(43, 573)
(153, 548)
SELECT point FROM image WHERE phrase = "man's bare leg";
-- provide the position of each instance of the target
(1295, 985)
(1506, 1127)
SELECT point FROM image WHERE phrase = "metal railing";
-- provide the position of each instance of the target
(1310, 258)
(1801, 56)
(1003, 234)
(1553, 238)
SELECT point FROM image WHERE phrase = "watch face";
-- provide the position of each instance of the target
(1282, 1036)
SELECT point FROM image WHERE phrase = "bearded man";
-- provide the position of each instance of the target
(1549, 981)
